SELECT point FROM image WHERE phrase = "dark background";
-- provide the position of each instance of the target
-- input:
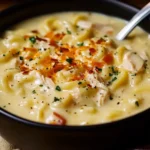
(138, 3)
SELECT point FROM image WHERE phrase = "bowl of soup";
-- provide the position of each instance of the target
(66, 82)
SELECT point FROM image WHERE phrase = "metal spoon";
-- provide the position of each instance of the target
(144, 12)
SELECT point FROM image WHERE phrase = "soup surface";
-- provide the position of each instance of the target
(68, 69)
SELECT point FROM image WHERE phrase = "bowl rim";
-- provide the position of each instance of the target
(66, 127)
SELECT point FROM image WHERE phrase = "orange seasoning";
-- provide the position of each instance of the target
(46, 61)
(98, 64)
(108, 59)
(101, 41)
(92, 51)
(24, 69)
(30, 49)
(49, 35)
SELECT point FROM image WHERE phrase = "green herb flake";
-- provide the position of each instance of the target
(4, 55)
(110, 74)
(115, 72)
(115, 78)
(21, 58)
(79, 83)
(41, 85)
(80, 44)
(56, 99)
(4, 106)
(32, 40)
(99, 69)
(137, 103)
(58, 88)
(68, 32)
(69, 60)
(34, 92)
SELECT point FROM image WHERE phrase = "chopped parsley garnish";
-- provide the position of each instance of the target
(34, 92)
(99, 69)
(4, 106)
(79, 83)
(115, 78)
(80, 44)
(110, 74)
(4, 55)
(137, 103)
(41, 85)
(58, 88)
(69, 60)
(56, 99)
(110, 82)
(115, 72)
(21, 58)
(32, 40)
(69, 32)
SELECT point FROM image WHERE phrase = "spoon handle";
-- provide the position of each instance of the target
(144, 12)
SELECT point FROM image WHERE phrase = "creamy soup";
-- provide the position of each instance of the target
(68, 69)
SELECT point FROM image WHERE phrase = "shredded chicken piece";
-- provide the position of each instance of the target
(144, 55)
(84, 24)
(103, 91)
(105, 28)
(133, 62)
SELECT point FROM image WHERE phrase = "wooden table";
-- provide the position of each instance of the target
(138, 3)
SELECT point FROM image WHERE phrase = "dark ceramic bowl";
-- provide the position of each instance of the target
(29, 135)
